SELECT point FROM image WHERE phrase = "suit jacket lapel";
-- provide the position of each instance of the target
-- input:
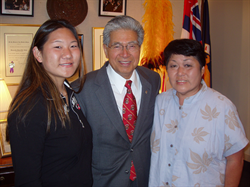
(145, 99)
(106, 98)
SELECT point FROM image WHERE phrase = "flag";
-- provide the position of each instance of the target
(191, 21)
(206, 42)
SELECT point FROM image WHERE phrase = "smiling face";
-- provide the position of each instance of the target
(60, 56)
(185, 75)
(123, 62)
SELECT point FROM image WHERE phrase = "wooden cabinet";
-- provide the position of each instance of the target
(6, 172)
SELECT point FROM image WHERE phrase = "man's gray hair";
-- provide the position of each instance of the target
(123, 22)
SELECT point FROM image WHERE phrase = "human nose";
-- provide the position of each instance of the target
(125, 51)
(181, 71)
(67, 53)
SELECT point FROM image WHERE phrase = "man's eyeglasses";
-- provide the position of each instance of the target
(131, 47)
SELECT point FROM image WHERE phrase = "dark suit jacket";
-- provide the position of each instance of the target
(112, 150)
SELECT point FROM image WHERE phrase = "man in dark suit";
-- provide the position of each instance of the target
(114, 153)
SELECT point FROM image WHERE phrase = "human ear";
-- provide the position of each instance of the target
(37, 54)
(202, 70)
(105, 48)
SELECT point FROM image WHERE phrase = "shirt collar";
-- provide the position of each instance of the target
(119, 81)
(66, 83)
(191, 99)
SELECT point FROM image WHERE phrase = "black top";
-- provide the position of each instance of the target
(61, 157)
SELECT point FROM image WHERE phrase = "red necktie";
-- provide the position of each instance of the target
(129, 112)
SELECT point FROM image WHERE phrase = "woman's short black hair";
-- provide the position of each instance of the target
(186, 47)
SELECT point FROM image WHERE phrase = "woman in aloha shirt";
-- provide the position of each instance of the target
(197, 137)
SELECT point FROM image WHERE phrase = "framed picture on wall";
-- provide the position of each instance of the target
(77, 73)
(99, 57)
(17, 7)
(15, 42)
(4, 144)
(112, 7)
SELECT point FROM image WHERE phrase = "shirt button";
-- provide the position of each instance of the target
(126, 171)
(166, 183)
(169, 165)
(171, 145)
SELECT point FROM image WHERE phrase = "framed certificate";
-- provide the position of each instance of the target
(16, 41)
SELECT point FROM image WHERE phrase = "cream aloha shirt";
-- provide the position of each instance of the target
(190, 143)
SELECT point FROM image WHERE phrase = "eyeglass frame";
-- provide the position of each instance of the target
(124, 46)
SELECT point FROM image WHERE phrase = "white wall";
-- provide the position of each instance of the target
(230, 42)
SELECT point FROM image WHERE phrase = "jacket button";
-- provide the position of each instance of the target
(131, 150)
(126, 171)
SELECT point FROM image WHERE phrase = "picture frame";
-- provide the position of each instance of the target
(77, 73)
(16, 41)
(112, 7)
(99, 57)
(80, 37)
(17, 8)
(4, 144)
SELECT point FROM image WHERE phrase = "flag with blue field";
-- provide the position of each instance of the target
(191, 27)
(206, 43)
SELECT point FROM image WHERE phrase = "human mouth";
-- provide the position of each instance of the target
(66, 64)
(181, 82)
(125, 63)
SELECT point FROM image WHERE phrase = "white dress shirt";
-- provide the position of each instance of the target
(118, 86)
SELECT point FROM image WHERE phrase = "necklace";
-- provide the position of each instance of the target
(65, 106)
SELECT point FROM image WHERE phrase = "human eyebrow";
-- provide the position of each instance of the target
(187, 59)
(131, 42)
(116, 43)
(172, 60)
(74, 41)
(57, 41)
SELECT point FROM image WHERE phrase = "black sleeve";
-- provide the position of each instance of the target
(27, 144)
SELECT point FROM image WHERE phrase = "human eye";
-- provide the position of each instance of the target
(132, 46)
(187, 65)
(172, 65)
(74, 46)
(117, 46)
(57, 47)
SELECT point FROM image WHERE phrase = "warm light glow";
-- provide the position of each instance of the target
(5, 97)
